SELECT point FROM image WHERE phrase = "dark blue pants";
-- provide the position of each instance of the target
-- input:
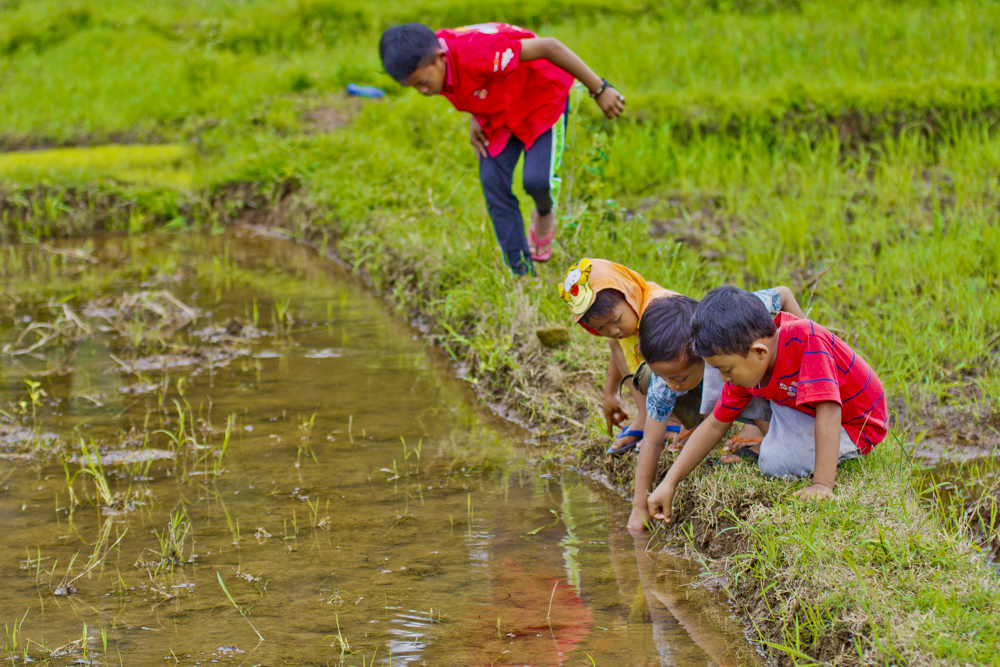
(541, 182)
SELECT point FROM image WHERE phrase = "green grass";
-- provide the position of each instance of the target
(766, 142)
(170, 70)
(170, 165)
(876, 564)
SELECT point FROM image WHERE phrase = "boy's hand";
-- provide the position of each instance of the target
(614, 413)
(814, 492)
(477, 137)
(611, 102)
(637, 522)
(659, 502)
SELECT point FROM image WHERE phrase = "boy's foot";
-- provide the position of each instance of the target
(744, 445)
(677, 444)
(519, 263)
(541, 234)
(627, 440)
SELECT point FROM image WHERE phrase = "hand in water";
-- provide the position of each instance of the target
(637, 522)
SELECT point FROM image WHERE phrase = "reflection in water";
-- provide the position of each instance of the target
(302, 445)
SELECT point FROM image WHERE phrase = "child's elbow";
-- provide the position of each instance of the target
(550, 46)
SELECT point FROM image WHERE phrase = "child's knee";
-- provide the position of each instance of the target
(536, 186)
(778, 464)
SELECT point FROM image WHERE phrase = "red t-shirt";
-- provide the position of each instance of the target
(813, 365)
(487, 79)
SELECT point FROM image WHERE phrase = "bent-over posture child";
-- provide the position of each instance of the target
(516, 87)
(665, 343)
(827, 404)
(608, 300)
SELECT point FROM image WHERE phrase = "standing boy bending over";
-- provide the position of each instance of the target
(516, 87)
(827, 404)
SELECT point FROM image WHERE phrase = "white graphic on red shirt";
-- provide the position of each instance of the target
(790, 389)
(508, 55)
(481, 93)
(485, 28)
(496, 61)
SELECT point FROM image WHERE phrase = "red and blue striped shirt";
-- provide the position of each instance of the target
(811, 366)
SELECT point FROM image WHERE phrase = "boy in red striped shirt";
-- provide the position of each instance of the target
(515, 86)
(827, 403)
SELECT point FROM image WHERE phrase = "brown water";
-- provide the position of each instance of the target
(361, 510)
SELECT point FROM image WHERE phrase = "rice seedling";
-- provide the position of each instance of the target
(283, 320)
(67, 586)
(15, 646)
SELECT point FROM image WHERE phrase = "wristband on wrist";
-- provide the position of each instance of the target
(604, 85)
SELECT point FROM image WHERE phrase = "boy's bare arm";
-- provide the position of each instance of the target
(645, 473)
(611, 101)
(827, 452)
(788, 302)
(702, 441)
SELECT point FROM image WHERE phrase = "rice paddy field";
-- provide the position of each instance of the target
(845, 149)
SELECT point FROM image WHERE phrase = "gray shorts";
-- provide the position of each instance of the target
(711, 392)
(789, 448)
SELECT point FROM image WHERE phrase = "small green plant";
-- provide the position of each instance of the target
(15, 646)
(283, 320)
(237, 607)
(173, 538)
(35, 394)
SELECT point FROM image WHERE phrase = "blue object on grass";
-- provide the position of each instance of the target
(626, 433)
(634, 433)
(364, 91)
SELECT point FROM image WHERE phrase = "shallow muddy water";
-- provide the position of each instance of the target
(206, 441)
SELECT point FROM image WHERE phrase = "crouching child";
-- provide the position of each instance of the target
(827, 404)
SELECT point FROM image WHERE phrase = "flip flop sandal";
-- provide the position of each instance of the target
(635, 444)
(746, 453)
(671, 428)
(547, 241)
(746, 441)
(626, 433)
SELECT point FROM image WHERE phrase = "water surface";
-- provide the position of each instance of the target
(252, 425)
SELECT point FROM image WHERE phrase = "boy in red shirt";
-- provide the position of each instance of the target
(516, 87)
(827, 404)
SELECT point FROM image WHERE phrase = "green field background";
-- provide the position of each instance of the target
(846, 149)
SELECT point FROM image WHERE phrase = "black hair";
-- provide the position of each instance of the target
(406, 48)
(604, 304)
(728, 321)
(665, 329)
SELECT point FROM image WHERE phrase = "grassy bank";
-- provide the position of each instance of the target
(739, 164)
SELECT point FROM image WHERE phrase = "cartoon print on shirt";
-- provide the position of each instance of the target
(790, 389)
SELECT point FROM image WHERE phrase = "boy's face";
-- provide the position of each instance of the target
(680, 374)
(622, 322)
(745, 371)
(429, 79)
